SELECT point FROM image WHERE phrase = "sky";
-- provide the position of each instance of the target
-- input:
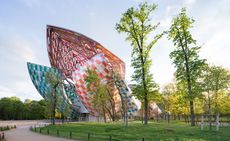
(23, 35)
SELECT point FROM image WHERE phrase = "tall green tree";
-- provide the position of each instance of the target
(185, 56)
(136, 23)
(52, 96)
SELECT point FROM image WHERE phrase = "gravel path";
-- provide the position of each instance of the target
(22, 133)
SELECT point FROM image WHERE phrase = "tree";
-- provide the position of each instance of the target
(169, 91)
(52, 96)
(215, 80)
(224, 102)
(185, 56)
(136, 24)
(102, 98)
(42, 113)
(110, 107)
(11, 108)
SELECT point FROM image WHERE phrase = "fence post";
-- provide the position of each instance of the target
(143, 139)
(58, 133)
(3, 136)
(110, 138)
(88, 136)
(48, 132)
(217, 122)
(70, 135)
(202, 122)
(35, 128)
(40, 130)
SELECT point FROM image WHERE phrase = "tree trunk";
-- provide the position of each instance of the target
(168, 117)
(104, 116)
(145, 88)
(146, 110)
(62, 118)
(54, 107)
(192, 113)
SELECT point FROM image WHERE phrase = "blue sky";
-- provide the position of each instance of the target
(23, 34)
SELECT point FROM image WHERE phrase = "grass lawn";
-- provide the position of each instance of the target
(154, 131)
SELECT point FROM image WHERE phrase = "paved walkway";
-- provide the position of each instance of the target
(22, 133)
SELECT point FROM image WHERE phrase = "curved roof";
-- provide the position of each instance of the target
(67, 48)
(67, 99)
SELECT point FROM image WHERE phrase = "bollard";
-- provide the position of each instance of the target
(48, 132)
(110, 138)
(88, 136)
(3, 136)
(58, 133)
(143, 139)
(40, 130)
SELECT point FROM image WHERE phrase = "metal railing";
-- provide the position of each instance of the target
(76, 135)
(104, 137)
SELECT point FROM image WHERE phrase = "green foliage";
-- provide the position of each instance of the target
(136, 23)
(99, 94)
(216, 83)
(216, 78)
(95, 88)
(170, 99)
(223, 102)
(12, 108)
(35, 109)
